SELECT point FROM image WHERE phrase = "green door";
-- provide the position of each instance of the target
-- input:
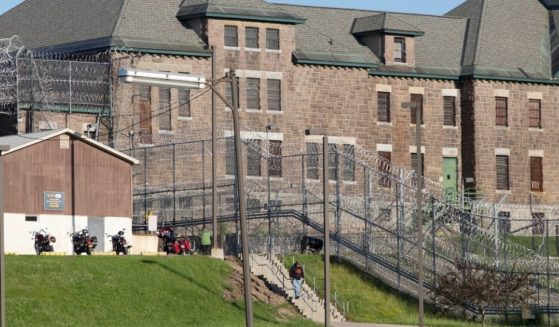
(450, 178)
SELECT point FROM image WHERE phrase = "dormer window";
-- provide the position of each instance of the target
(399, 49)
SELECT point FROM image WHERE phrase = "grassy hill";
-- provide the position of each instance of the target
(371, 300)
(130, 291)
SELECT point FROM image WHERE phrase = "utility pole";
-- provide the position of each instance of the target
(326, 195)
(3, 148)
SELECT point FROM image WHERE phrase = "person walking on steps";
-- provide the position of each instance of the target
(297, 274)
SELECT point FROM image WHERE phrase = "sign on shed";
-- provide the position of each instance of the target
(54, 200)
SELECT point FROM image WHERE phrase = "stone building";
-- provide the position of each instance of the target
(483, 75)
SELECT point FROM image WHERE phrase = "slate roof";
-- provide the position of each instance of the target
(385, 22)
(511, 41)
(67, 26)
(507, 38)
(327, 32)
(246, 9)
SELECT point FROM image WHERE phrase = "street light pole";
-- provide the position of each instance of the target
(419, 200)
(242, 201)
(326, 195)
(419, 205)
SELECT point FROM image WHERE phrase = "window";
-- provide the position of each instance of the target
(31, 218)
(164, 109)
(399, 49)
(535, 107)
(418, 100)
(230, 162)
(253, 205)
(253, 159)
(449, 111)
(349, 162)
(274, 95)
(383, 106)
(274, 159)
(503, 172)
(538, 226)
(504, 222)
(253, 93)
(384, 167)
(272, 39)
(312, 160)
(501, 111)
(144, 103)
(536, 174)
(185, 203)
(251, 37)
(231, 36)
(184, 103)
(332, 162)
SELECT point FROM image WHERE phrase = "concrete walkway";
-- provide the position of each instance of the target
(354, 324)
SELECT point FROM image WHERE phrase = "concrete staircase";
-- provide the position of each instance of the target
(277, 277)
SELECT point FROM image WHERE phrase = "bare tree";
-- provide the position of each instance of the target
(478, 286)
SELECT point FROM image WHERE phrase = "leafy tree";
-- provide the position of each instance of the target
(481, 286)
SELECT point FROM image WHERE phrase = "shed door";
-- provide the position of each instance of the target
(450, 178)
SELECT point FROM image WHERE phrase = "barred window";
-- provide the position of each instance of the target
(536, 174)
(274, 159)
(251, 37)
(538, 225)
(272, 39)
(333, 161)
(417, 99)
(185, 202)
(399, 49)
(503, 172)
(449, 111)
(383, 106)
(184, 103)
(349, 162)
(501, 111)
(254, 167)
(231, 36)
(144, 107)
(144, 92)
(274, 95)
(312, 160)
(230, 162)
(384, 168)
(253, 93)
(164, 109)
(535, 113)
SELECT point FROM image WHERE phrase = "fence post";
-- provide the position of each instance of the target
(399, 218)
(338, 201)
(174, 189)
(548, 274)
(304, 194)
(145, 188)
(366, 237)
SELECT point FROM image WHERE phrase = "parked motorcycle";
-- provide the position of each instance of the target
(173, 244)
(119, 243)
(83, 242)
(43, 242)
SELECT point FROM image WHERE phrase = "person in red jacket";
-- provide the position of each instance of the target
(297, 275)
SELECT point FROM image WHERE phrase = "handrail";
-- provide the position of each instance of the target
(308, 300)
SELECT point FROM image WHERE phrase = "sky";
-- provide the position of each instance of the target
(435, 7)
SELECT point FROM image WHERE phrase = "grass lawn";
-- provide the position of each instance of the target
(371, 300)
(128, 291)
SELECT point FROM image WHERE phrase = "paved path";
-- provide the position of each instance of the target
(354, 324)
